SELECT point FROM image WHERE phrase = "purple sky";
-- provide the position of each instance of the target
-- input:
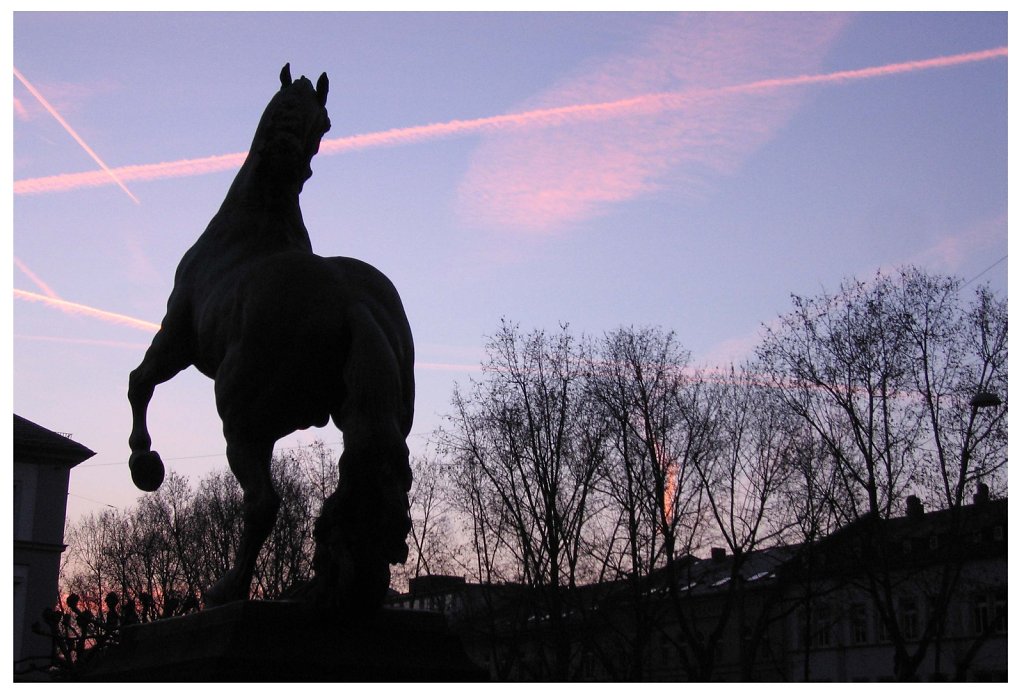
(688, 171)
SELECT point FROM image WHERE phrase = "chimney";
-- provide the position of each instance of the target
(981, 496)
(915, 509)
(718, 554)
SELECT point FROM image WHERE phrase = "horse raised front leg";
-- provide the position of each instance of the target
(250, 464)
(164, 359)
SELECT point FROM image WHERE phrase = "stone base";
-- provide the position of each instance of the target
(279, 641)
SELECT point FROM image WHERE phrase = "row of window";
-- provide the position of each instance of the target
(441, 604)
(986, 613)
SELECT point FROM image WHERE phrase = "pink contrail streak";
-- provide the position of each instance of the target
(117, 318)
(73, 133)
(43, 286)
(644, 104)
(79, 309)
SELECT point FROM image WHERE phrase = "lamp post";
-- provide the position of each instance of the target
(981, 400)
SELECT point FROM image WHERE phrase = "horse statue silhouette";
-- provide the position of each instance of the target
(291, 340)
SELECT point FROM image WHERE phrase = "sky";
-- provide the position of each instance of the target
(687, 171)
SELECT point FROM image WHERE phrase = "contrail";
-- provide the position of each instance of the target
(43, 286)
(79, 309)
(653, 103)
(67, 127)
(118, 319)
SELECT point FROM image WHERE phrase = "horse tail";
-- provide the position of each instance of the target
(375, 419)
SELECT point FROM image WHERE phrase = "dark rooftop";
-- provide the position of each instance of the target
(34, 443)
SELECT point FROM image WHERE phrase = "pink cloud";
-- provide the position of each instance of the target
(733, 350)
(20, 111)
(951, 251)
(947, 255)
(699, 102)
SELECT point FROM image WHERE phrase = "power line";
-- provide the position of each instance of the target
(125, 462)
(985, 271)
(278, 450)
(94, 501)
(208, 455)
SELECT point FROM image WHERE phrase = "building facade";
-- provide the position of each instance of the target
(42, 467)
(922, 597)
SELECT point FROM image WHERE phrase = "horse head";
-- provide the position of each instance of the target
(289, 132)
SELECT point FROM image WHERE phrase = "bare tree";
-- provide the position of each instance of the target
(892, 376)
(433, 544)
(528, 448)
(178, 540)
(755, 446)
(657, 429)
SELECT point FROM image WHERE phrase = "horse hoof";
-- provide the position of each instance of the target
(224, 590)
(213, 597)
(147, 470)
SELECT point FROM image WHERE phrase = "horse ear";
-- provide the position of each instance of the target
(286, 75)
(321, 89)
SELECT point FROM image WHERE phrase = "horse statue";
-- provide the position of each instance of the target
(291, 340)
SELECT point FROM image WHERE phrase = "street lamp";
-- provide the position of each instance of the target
(985, 399)
(981, 400)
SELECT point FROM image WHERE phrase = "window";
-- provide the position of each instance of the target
(664, 649)
(881, 630)
(980, 613)
(858, 624)
(989, 613)
(999, 604)
(821, 626)
(908, 617)
(588, 665)
(18, 489)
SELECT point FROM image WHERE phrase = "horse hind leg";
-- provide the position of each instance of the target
(250, 464)
(363, 526)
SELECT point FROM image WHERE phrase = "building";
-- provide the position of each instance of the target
(42, 467)
(929, 587)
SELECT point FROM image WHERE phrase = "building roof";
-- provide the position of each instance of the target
(915, 541)
(36, 444)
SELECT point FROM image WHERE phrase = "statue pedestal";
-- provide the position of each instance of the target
(279, 641)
